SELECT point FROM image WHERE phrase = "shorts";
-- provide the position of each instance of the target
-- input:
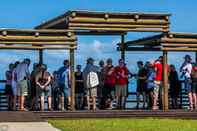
(92, 92)
(109, 91)
(156, 88)
(141, 87)
(194, 87)
(22, 88)
(67, 92)
(188, 85)
(121, 90)
(44, 92)
(64, 90)
(8, 90)
(79, 95)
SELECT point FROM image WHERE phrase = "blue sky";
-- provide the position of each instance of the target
(23, 14)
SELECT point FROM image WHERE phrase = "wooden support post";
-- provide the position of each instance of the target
(122, 47)
(165, 81)
(72, 67)
(41, 56)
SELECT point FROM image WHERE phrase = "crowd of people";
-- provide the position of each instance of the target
(96, 87)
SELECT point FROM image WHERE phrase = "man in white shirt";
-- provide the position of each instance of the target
(22, 76)
(186, 70)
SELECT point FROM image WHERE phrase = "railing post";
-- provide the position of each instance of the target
(165, 81)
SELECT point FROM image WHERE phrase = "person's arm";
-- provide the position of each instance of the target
(69, 77)
(37, 80)
(48, 81)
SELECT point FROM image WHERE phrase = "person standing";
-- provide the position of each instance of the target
(150, 83)
(109, 84)
(22, 76)
(79, 88)
(91, 81)
(186, 70)
(121, 83)
(56, 92)
(100, 97)
(33, 92)
(158, 65)
(141, 84)
(174, 86)
(14, 85)
(8, 86)
(194, 85)
(43, 80)
(65, 84)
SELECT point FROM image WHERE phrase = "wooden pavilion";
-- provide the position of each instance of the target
(106, 23)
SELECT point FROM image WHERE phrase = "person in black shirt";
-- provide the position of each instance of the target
(141, 83)
(174, 86)
(79, 88)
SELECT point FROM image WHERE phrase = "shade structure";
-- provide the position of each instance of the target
(107, 21)
(37, 39)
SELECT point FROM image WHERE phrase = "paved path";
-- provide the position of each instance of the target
(26, 126)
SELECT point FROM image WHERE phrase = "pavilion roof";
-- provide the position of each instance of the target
(102, 22)
(164, 42)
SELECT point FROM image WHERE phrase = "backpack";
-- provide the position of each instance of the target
(92, 79)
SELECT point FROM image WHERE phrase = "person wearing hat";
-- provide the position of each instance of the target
(91, 81)
(186, 70)
(43, 79)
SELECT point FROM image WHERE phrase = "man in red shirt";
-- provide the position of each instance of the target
(158, 81)
(121, 72)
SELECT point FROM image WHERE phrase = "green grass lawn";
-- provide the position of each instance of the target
(125, 125)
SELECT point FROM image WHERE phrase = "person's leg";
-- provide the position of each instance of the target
(188, 87)
(117, 93)
(144, 100)
(194, 95)
(32, 107)
(81, 101)
(155, 97)
(14, 102)
(22, 100)
(42, 102)
(138, 100)
(190, 100)
(194, 100)
(94, 102)
(49, 103)
(88, 102)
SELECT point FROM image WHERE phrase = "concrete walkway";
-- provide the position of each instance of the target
(26, 126)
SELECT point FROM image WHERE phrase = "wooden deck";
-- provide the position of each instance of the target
(172, 114)
(40, 116)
